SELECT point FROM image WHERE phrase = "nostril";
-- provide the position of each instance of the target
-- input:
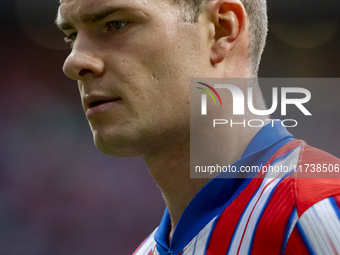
(83, 72)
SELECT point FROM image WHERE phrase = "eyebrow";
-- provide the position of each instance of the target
(90, 18)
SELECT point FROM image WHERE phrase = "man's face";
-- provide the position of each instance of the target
(133, 60)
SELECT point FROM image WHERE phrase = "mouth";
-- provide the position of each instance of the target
(97, 104)
(100, 102)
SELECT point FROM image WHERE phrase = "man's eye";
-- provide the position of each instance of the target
(117, 25)
(70, 38)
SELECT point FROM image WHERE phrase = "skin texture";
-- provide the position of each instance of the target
(146, 65)
(142, 64)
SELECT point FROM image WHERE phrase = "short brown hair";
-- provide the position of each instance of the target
(257, 18)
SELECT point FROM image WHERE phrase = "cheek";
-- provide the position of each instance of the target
(156, 73)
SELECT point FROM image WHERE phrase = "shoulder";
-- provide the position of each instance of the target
(314, 174)
(317, 177)
(315, 185)
(303, 201)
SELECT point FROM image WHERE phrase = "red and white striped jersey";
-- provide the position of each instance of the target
(279, 213)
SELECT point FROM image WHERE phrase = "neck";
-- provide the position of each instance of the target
(170, 169)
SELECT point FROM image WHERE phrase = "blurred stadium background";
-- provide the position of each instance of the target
(58, 194)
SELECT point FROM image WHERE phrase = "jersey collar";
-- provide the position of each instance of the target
(218, 193)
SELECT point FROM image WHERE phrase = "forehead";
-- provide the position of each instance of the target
(70, 8)
(74, 12)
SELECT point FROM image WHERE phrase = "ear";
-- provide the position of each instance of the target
(230, 20)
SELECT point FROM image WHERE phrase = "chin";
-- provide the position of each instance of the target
(116, 147)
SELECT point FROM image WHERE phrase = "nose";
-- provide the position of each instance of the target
(83, 63)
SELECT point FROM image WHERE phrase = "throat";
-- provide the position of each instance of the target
(171, 171)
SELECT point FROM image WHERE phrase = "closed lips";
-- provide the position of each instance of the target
(99, 102)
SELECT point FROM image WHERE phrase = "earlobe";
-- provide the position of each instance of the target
(229, 28)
